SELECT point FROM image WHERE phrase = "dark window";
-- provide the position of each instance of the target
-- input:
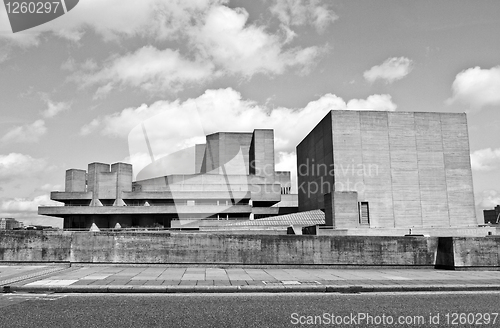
(364, 213)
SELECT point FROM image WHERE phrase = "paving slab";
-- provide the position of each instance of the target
(122, 279)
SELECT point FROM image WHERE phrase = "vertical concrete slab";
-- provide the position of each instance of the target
(404, 170)
(75, 181)
(199, 155)
(374, 130)
(432, 175)
(262, 154)
(94, 170)
(123, 180)
(315, 173)
(458, 170)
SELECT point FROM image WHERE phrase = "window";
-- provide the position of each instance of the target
(364, 213)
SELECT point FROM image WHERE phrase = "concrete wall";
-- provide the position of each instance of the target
(75, 180)
(210, 249)
(199, 155)
(314, 153)
(222, 147)
(262, 154)
(341, 209)
(123, 180)
(413, 168)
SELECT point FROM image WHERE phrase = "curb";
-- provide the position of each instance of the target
(248, 289)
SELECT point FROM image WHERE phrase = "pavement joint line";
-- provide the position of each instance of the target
(33, 275)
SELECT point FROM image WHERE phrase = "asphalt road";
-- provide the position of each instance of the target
(251, 310)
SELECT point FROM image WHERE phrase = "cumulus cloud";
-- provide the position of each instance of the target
(49, 187)
(148, 68)
(25, 133)
(16, 166)
(114, 19)
(53, 108)
(391, 70)
(247, 49)
(220, 43)
(303, 12)
(476, 87)
(485, 159)
(488, 199)
(219, 110)
(23, 205)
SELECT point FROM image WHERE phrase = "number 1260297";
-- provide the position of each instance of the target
(15, 7)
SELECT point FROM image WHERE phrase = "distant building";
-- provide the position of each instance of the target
(381, 171)
(492, 216)
(235, 179)
(10, 224)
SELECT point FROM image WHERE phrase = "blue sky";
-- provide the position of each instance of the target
(72, 90)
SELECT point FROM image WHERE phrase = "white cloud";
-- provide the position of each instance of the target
(373, 102)
(54, 108)
(477, 87)
(391, 70)
(115, 19)
(49, 187)
(23, 205)
(150, 69)
(219, 110)
(26, 133)
(288, 162)
(15, 166)
(303, 12)
(485, 159)
(238, 48)
(220, 43)
(488, 199)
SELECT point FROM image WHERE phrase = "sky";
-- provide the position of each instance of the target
(74, 90)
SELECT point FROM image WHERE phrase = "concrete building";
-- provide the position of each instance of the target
(235, 179)
(10, 224)
(375, 172)
(492, 216)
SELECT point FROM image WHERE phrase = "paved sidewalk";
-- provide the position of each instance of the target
(17, 272)
(160, 279)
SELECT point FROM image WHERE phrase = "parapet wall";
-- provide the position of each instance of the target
(221, 249)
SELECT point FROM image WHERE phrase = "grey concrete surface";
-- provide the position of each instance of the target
(161, 279)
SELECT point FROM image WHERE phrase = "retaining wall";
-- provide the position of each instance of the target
(213, 249)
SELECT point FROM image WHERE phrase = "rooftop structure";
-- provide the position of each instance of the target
(235, 179)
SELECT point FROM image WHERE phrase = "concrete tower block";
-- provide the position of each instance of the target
(93, 179)
(262, 154)
(221, 149)
(123, 180)
(75, 180)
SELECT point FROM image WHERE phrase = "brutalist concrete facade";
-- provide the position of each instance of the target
(234, 179)
(406, 170)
